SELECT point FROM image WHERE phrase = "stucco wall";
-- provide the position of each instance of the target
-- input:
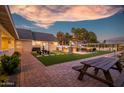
(40, 44)
(6, 42)
(23, 46)
(1, 29)
(0, 40)
(52, 46)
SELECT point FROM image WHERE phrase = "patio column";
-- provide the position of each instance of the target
(48, 46)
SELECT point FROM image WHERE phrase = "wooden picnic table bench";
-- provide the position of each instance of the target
(104, 64)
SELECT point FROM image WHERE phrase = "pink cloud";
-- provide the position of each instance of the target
(45, 16)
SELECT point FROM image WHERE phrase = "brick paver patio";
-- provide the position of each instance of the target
(34, 73)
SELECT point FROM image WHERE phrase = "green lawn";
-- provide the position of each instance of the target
(56, 59)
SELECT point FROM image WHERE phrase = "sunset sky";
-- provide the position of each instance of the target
(106, 21)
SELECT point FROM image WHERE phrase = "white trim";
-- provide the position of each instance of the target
(7, 51)
(8, 11)
(24, 39)
(45, 41)
(36, 40)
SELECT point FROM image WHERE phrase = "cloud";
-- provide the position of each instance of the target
(45, 16)
(25, 26)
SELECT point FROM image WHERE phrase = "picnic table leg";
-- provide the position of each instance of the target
(119, 66)
(108, 78)
(83, 70)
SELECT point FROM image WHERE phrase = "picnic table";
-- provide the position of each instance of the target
(104, 64)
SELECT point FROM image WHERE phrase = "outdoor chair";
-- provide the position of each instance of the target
(39, 52)
(45, 52)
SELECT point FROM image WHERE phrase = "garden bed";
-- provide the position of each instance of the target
(9, 70)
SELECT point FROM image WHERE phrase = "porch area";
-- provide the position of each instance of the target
(7, 32)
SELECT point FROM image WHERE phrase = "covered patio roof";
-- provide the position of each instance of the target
(6, 20)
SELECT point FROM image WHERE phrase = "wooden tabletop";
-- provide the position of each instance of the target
(104, 63)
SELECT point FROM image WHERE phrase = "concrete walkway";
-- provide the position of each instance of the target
(34, 73)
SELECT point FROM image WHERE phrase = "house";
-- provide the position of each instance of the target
(28, 39)
(22, 40)
(8, 33)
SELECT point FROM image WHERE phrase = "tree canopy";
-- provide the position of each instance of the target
(83, 35)
(79, 34)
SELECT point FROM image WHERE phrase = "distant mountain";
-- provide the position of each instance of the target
(116, 40)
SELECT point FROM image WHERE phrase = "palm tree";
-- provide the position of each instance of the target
(60, 37)
(67, 38)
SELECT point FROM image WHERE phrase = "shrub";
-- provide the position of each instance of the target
(10, 64)
(0, 68)
(16, 54)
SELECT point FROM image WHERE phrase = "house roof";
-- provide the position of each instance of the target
(43, 36)
(25, 34)
(6, 20)
(40, 36)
